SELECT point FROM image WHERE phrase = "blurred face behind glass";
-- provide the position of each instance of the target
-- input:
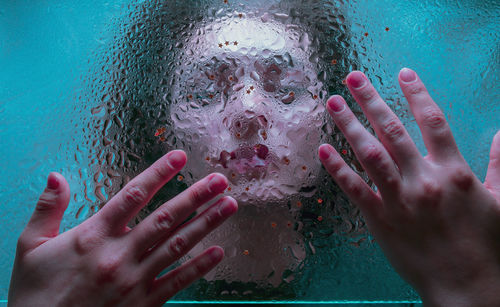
(248, 103)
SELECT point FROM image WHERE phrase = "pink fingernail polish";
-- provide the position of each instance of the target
(52, 182)
(336, 104)
(217, 184)
(176, 159)
(226, 208)
(324, 152)
(356, 80)
(408, 75)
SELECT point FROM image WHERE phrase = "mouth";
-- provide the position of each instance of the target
(246, 159)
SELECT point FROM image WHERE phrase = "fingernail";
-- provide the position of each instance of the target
(52, 182)
(217, 183)
(408, 75)
(226, 207)
(336, 104)
(176, 159)
(324, 152)
(356, 80)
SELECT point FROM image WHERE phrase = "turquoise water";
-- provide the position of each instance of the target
(48, 49)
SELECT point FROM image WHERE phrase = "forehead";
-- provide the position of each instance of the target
(250, 37)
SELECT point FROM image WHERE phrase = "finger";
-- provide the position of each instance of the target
(164, 219)
(169, 284)
(138, 192)
(435, 130)
(353, 186)
(185, 238)
(386, 124)
(370, 153)
(492, 180)
(46, 219)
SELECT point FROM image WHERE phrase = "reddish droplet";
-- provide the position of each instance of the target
(320, 218)
(235, 43)
(289, 224)
(251, 87)
(261, 151)
(160, 131)
(226, 43)
(334, 62)
(248, 91)
(247, 188)
(286, 160)
(315, 96)
(264, 135)
(273, 224)
(344, 151)
(246, 252)
(387, 28)
(229, 188)
(304, 167)
(240, 15)
(190, 96)
(220, 45)
(320, 201)
(180, 178)
(210, 96)
(207, 158)
(299, 204)
(366, 33)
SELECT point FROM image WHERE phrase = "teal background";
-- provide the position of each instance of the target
(47, 47)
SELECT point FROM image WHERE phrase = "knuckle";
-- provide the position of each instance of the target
(86, 240)
(416, 88)
(126, 285)
(433, 118)
(372, 154)
(161, 172)
(353, 188)
(346, 120)
(177, 246)
(393, 129)
(164, 219)
(430, 193)
(46, 202)
(108, 270)
(134, 196)
(368, 95)
(334, 167)
(195, 195)
(462, 178)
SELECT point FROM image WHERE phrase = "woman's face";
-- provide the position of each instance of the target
(247, 103)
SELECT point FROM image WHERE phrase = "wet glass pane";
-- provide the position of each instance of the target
(99, 91)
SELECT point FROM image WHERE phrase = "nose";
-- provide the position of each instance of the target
(247, 125)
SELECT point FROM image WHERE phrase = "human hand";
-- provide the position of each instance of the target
(102, 261)
(438, 225)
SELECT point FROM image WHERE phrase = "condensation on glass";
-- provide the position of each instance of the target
(241, 87)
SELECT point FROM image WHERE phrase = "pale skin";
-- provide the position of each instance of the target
(435, 221)
(102, 262)
(438, 225)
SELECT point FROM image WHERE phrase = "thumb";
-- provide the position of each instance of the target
(46, 219)
(492, 181)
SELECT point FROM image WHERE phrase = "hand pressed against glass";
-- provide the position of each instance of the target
(436, 222)
(103, 262)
